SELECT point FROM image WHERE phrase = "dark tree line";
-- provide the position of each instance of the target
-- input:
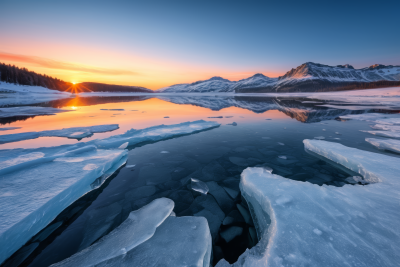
(12, 74)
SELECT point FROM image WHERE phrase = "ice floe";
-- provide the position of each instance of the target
(29, 111)
(303, 224)
(37, 184)
(155, 133)
(385, 144)
(385, 133)
(199, 186)
(73, 133)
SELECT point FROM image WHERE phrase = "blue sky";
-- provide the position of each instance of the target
(223, 36)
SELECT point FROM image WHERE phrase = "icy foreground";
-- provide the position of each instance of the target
(73, 133)
(313, 225)
(37, 184)
(29, 111)
(148, 237)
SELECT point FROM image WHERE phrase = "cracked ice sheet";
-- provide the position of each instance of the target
(315, 225)
(136, 229)
(73, 133)
(37, 184)
(29, 111)
(385, 144)
(155, 133)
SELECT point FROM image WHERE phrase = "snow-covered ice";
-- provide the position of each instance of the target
(385, 144)
(303, 224)
(148, 237)
(385, 127)
(385, 134)
(29, 111)
(199, 186)
(73, 133)
(12, 94)
(37, 184)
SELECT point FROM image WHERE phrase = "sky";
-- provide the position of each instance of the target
(159, 43)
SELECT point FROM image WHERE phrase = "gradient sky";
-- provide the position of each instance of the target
(159, 43)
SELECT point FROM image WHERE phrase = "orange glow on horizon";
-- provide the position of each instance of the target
(70, 62)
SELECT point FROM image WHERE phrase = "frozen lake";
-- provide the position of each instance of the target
(253, 131)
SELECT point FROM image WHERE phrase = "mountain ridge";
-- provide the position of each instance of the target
(308, 77)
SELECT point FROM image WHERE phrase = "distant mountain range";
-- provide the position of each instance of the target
(309, 77)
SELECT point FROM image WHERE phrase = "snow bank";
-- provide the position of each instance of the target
(29, 111)
(385, 144)
(303, 224)
(74, 133)
(150, 237)
(37, 184)
(155, 133)
(12, 94)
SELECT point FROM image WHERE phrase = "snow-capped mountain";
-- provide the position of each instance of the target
(308, 77)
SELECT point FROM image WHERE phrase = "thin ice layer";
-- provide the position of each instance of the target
(155, 133)
(74, 133)
(37, 184)
(177, 242)
(385, 144)
(135, 230)
(29, 111)
(313, 225)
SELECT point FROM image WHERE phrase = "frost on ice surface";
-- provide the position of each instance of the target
(303, 224)
(385, 144)
(150, 236)
(37, 184)
(199, 186)
(29, 111)
(73, 133)
(155, 133)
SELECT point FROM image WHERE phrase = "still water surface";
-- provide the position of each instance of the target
(269, 132)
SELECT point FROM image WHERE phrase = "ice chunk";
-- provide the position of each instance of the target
(282, 144)
(233, 124)
(155, 133)
(130, 166)
(75, 133)
(319, 138)
(389, 134)
(9, 128)
(386, 127)
(370, 116)
(37, 184)
(386, 144)
(337, 133)
(390, 121)
(199, 186)
(231, 233)
(282, 157)
(29, 111)
(332, 226)
(139, 227)
(178, 241)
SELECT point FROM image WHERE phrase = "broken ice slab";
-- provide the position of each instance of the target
(37, 184)
(178, 241)
(370, 116)
(155, 133)
(385, 144)
(389, 134)
(29, 111)
(359, 223)
(199, 186)
(73, 133)
(139, 227)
